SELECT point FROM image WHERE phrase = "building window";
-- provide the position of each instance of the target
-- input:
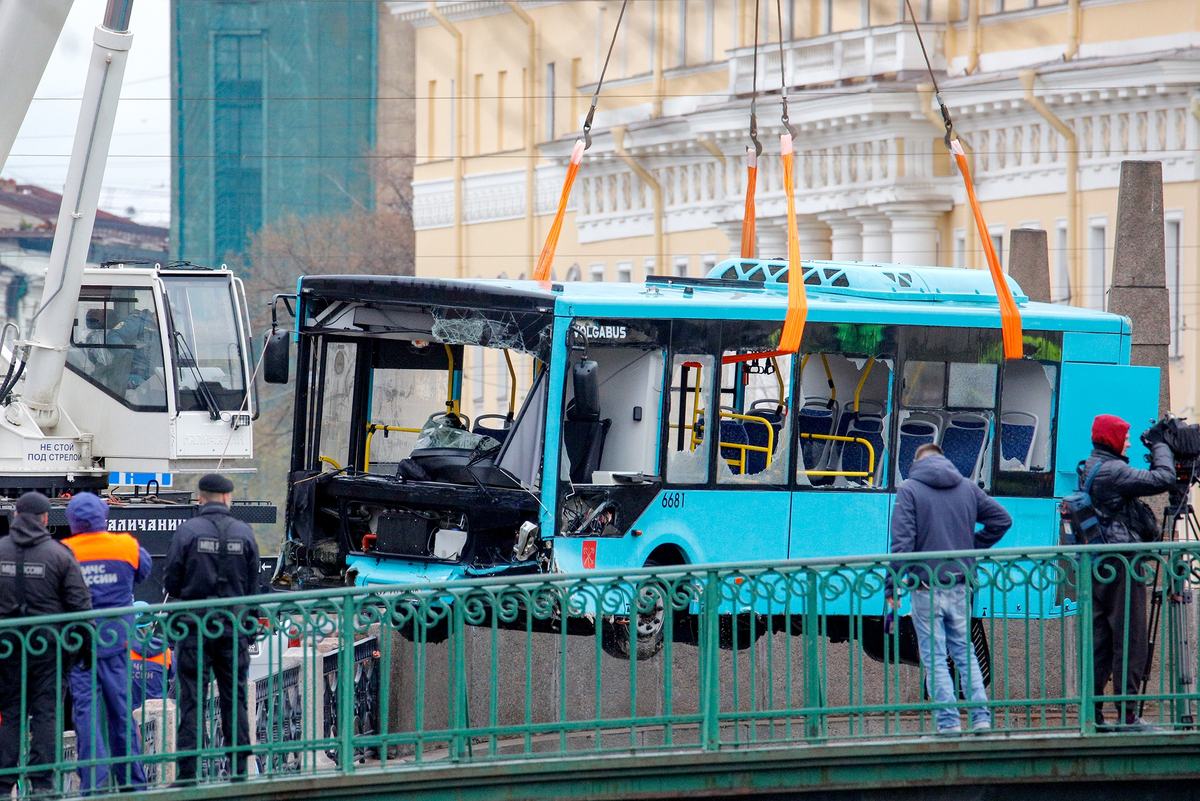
(550, 100)
(431, 122)
(681, 266)
(596, 271)
(1097, 269)
(237, 140)
(710, 27)
(648, 266)
(1174, 231)
(574, 273)
(960, 248)
(1060, 279)
(624, 272)
(681, 44)
(707, 262)
(996, 232)
(500, 121)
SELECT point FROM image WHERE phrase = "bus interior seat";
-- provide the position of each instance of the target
(1018, 431)
(498, 434)
(913, 434)
(758, 435)
(964, 442)
(733, 433)
(583, 435)
(867, 410)
(818, 417)
(854, 457)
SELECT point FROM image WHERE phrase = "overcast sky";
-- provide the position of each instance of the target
(139, 166)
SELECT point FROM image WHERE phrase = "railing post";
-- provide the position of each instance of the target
(345, 689)
(710, 689)
(1087, 705)
(812, 657)
(459, 721)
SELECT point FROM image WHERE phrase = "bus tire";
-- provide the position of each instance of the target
(650, 626)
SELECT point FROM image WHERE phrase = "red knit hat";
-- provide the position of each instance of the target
(1110, 431)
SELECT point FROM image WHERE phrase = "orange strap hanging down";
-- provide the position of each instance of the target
(749, 217)
(546, 259)
(797, 311)
(1010, 316)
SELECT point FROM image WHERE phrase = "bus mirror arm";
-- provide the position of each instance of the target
(287, 305)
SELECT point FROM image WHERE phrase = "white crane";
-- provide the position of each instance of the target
(127, 372)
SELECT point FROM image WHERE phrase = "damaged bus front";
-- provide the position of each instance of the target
(396, 475)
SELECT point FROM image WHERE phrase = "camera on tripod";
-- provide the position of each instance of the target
(1184, 441)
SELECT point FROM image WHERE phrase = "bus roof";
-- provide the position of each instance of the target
(745, 289)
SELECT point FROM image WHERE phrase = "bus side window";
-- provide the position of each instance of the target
(842, 419)
(337, 403)
(687, 442)
(755, 419)
(952, 404)
(1027, 420)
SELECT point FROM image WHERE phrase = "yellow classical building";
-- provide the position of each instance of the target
(1049, 97)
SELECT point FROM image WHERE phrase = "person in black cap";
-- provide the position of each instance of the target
(212, 556)
(38, 576)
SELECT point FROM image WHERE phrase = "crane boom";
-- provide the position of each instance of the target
(28, 31)
(51, 326)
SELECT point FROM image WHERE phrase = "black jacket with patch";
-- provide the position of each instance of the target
(53, 581)
(213, 555)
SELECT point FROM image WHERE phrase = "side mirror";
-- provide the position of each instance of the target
(586, 376)
(277, 357)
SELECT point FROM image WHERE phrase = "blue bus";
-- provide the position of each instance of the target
(655, 423)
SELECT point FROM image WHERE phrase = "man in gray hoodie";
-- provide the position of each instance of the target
(38, 576)
(937, 509)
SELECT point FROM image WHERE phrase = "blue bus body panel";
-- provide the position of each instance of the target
(1130, 393)
(372, 570)
(1099, 348)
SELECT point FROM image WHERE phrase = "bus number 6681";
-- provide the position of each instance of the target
(672, 500)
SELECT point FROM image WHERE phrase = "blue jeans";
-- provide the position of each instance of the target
(944, 614)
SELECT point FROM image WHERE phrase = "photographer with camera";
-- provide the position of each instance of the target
(1119, 634)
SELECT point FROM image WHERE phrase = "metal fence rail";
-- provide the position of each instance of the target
(731, 657)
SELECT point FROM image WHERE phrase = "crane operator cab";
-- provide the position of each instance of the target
(158, 369)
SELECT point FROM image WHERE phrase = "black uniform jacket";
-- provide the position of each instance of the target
(197, 567)
(1117, 483)
(53, 581)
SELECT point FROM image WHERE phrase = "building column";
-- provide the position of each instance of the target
(845, 239)
(772, 241)
(876, 235)
(915, 234)
(733, 230)
(814, 238)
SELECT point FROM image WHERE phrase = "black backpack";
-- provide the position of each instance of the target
(1084, 523)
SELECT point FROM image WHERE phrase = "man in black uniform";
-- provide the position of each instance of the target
(38, 576)
(212, 556)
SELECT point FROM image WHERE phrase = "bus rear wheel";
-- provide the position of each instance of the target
(648, 625)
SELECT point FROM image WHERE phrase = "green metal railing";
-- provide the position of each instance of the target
(724, 656)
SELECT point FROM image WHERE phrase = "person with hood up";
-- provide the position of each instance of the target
(1120, 641)
(111, 564)
(937, 509)
(38, 576)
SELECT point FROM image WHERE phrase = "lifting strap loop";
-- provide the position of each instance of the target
(1010, 316)
(797, 310)
(545, 262)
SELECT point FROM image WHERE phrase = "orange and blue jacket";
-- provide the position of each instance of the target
(111, 564)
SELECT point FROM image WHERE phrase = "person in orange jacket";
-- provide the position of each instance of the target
(111, 564)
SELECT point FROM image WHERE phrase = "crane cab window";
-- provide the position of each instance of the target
(843, 406)
(206, 344)
(116, 346)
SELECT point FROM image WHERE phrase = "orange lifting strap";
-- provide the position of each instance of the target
(797, 310)
(546, 260)
(749, 216)
(1010, 316)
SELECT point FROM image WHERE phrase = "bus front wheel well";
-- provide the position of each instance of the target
(668, 555)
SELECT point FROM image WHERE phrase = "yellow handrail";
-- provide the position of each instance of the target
(451, 403)
(696, 410)
(779, 380)
(769, 449)
(869, 474)
(862, 381)
(327, 460)
(371, 429)
(512, 384)
(829, 378)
